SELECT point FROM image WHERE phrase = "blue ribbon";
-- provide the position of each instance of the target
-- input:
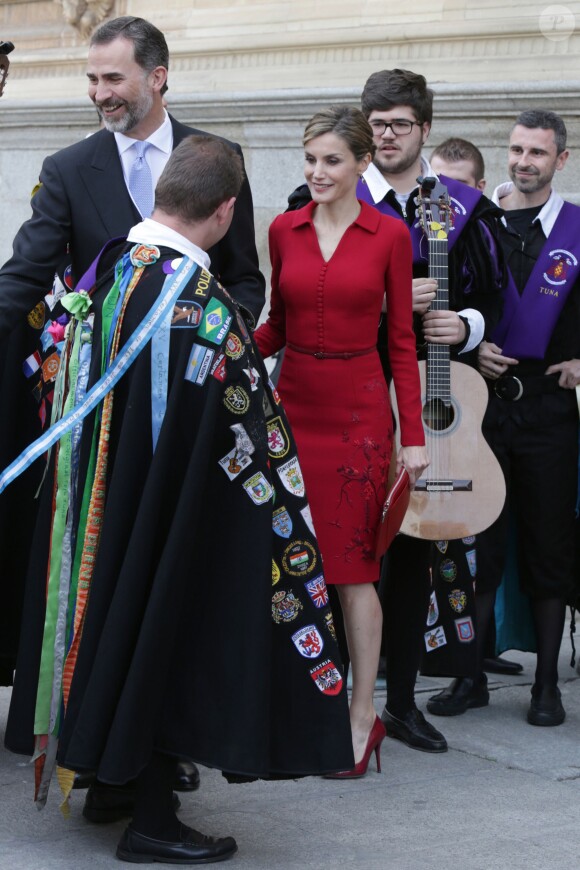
(172, 288)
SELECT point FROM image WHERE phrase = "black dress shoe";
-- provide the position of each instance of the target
(186, 776)
(111, 803)
(415, 731)
(546, 707)
(498, 665)
(462, 694)
(84, 780)
(191, 848)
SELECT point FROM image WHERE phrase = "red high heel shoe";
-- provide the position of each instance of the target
(376, 737)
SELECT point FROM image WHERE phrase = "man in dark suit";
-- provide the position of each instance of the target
(86, 196)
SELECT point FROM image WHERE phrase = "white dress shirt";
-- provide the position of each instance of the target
(548, 213)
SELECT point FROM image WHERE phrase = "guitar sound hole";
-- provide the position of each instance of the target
(437, 415)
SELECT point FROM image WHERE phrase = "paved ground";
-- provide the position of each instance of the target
(506, 795)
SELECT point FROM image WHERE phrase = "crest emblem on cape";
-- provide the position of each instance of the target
(275, 573)
(282, 522)
(258, 488)
(234, 346)
(318, 591)
(471, 557)
(299, 558)
(448, 570)
(433, 612)
(442, 546)
(329, 622)
(291, 476)
(457, 209)
(308, 642)
(561, 261)
(236, 400)
(278, 440)
(465, 632)
(327, 677)
(457, 600)
(36, 316)
(285, 606)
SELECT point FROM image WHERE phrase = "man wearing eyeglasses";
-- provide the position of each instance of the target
(399, 105)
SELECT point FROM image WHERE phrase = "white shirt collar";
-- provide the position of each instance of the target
(161, 138)
(548, 214)
(151, 232)
(379, 186)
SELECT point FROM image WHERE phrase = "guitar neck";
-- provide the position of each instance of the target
(438, 368)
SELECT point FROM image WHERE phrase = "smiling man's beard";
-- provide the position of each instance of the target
(532, 183)
(133, 115)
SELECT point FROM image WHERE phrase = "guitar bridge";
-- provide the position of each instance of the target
(428, 485)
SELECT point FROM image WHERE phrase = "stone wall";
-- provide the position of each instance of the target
(256, 70)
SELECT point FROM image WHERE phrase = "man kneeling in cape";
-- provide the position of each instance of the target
(185, 614)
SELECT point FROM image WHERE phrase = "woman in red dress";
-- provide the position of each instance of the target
(336, 263)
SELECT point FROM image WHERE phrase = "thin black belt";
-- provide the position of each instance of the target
(512, 388)
(345, 355)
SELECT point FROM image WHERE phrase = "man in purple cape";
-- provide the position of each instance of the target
(399, 107)
(532, 365)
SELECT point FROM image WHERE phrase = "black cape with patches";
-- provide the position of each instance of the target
(180, 650)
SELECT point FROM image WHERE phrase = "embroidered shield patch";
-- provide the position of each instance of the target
(290, 474)
(285, 606)
(299, 558)
(318, 591)
(278, 440)
(308, 642)
(327, 677)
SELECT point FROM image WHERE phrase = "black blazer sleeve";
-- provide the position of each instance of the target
(234, 260)
(39, 248)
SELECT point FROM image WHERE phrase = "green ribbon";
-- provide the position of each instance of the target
(77, 304)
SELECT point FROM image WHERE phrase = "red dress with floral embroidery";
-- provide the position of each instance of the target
(339, 406)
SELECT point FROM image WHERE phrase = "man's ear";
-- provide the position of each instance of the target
(561, 159)
(158, 77)
(481, 184)
(225, 211)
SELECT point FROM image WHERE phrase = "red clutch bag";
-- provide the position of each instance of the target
(394, 510)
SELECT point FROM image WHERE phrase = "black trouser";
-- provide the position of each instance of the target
(405, 588)
(539, 459)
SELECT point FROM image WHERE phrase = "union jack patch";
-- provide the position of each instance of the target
(318, 591)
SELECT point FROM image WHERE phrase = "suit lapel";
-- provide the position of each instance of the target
(105, 186)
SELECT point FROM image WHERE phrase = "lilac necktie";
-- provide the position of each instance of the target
(141, 182)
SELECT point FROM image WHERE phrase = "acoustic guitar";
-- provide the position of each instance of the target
(462, 491)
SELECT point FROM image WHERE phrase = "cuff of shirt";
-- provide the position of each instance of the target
(476, 329)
